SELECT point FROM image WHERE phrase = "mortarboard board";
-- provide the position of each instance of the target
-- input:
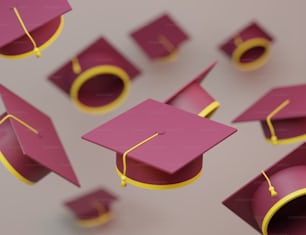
(275, 201)
(158, 146)
(97, 79)
(193, 98)
(160, 38)
(30, 26)
(249, 49)
(29, 145)
(281, 113)
(93, 208)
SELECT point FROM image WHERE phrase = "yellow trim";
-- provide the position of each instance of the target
(89, 74)
(209, 109)
(13, 171)
(3, 159)
(271, 187)
(288, 140)
(168, 58)
(41, 47)
(156, 186)
(277, 206)
(243, 47)
(102, 219)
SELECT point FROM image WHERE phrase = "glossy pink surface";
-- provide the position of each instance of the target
(44, 148)
(100, 89)
(290, 121)
(251, 201)
(147, 37)
(183, 136)
(192, 97)
(253, 30)
(85, 206)
(285, 182)
(34, 14)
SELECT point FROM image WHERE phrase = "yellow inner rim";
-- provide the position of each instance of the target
(168, 58)
(288, 140)
(277, 206)
(41, 47)
(91, 73)
(209, 109)
(156, 186)
(243, 47)
(101, 219)
(13, 171)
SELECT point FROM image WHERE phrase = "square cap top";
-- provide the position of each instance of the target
(82, 204)
(34, 13)
(45, 147)
(251, 31)
(289, 100)
(243, 200)
(159, 37)
(99, 52)
(181, 136)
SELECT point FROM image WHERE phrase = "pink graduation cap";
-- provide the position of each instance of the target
(282, 114)
(193, 98)
(249, 49)
(158, 146)
(97, 79)
(29, 145)
(275, 201)
(30, 26)
(160, 38)
(92, 209)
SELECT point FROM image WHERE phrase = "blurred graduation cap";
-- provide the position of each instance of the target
(275, 201)
(282, 114)
(29, 145)
(160, 38)
(193, 98)
(158, 146)
(249, 49)
(30, 26)
(97, 79)
(93, 208)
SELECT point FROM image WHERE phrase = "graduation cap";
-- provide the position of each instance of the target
(158, 146)
(30, 26)
(282, 114)
(275, 201)
(193, 98)
(93, 208)
(249, 48)
(97, 79)
(29, 145)
(160, 38)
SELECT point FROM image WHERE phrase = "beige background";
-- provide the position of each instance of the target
(197, 208)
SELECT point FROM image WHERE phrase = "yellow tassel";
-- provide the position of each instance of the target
(123, 177)
(36, 49)
(269, 122)
(271, 188)
(76, 67)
